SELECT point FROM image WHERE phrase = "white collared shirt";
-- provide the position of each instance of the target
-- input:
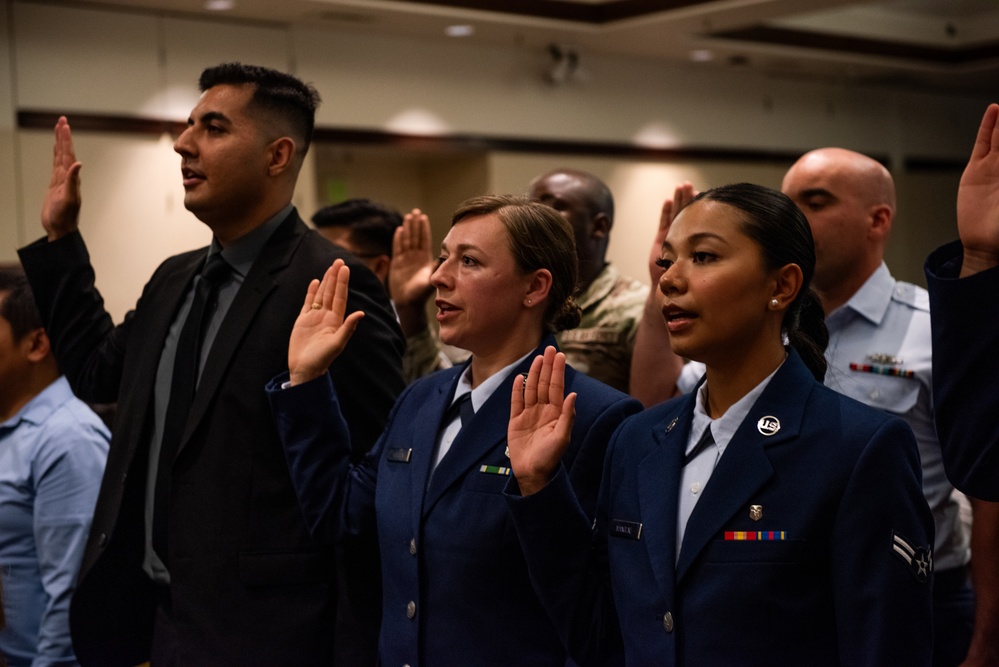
(695, 475)
(480, 395)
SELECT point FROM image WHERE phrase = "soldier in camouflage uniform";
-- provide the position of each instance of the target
(612, 304)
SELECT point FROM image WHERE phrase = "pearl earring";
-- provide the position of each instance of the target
(774, 303)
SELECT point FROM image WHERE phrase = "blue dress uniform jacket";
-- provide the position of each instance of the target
(456, 590)
(838, 572)
(965, 373)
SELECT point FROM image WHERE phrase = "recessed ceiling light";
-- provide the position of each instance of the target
(459, 30)
(702, 55)
(219, 5)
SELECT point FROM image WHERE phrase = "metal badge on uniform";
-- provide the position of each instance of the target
(399, 455)
(768, 425)
(672, 424)
(631, 530)
(919, 559)
(882, 363)
(884, 359)
(756, 512)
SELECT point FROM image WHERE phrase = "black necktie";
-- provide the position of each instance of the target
(182, 388)
(463, 408)
(706, 441)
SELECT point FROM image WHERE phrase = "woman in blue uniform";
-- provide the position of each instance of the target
(455, 585)
(761, 519)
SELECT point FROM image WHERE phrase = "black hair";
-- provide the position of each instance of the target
(781, 230)
(273, 92)
(371, 224)
(540, 238)
(17, 303)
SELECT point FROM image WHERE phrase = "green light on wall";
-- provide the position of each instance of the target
(336, 190)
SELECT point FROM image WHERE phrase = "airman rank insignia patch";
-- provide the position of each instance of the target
(919, 559)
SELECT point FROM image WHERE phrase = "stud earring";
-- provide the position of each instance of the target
(774, 303)
(528, 302)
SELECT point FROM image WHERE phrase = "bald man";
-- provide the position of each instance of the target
(880, 349)
(612, 304)
(880, 346)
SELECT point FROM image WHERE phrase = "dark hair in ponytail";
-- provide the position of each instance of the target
(779, 227)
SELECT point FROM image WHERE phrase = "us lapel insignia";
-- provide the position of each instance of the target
(672, 424)
(756, 512)
(506, 452)
(768, 425)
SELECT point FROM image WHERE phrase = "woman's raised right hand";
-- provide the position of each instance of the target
(321, 333)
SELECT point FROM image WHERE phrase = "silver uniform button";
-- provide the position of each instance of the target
(668, 622)
(411, 610)
(412, 546)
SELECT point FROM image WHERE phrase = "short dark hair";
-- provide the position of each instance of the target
(781, 230)
(17, 303)
(274, 92)
(372, 225)
(540, 238)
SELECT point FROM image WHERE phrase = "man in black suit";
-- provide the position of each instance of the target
(198, 554)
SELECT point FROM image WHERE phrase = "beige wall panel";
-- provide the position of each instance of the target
(192, 45)
(448, 183)
(8, 172)
(433, 87)
(133, 214)
(926, 219)
(85, 60)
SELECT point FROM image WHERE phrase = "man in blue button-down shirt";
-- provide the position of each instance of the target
(52, 453)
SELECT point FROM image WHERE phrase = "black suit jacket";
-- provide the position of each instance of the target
(249, 586)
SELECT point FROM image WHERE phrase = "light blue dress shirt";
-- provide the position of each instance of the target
(52, 456)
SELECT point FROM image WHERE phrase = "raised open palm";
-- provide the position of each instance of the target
(321, 332)
(540, 421)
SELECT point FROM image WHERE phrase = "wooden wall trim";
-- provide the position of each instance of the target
(34, 119)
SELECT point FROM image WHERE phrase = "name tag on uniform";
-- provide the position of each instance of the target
(399, 455)
(631, 530)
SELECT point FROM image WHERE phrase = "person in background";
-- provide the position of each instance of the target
(384, 241)
(456, 587)
(763, 519)
(199, 553)
(52, 454)
(363, 227)
(963, 281)
(612, 303)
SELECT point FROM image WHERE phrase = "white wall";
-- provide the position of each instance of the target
(63, 59)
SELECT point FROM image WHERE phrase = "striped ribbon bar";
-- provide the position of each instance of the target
(762, 535)
(881, 370)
